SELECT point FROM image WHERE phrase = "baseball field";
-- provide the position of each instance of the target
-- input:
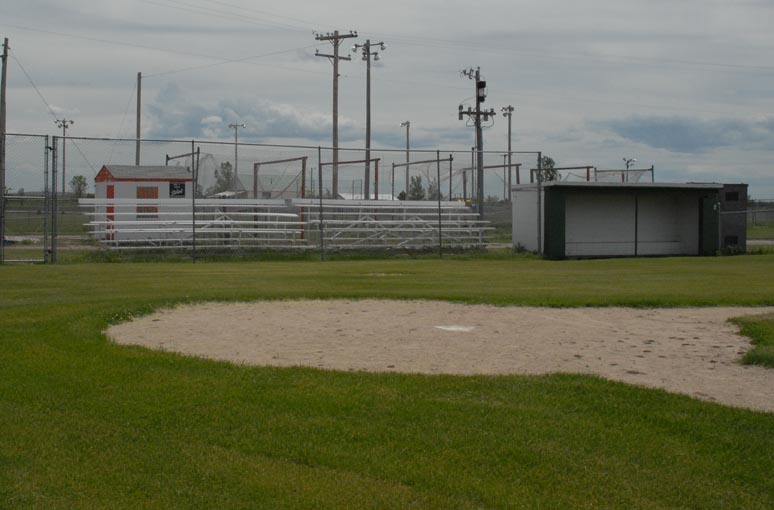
(87, 422)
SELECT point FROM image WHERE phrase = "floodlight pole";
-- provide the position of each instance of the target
(407, 125)
(139, 116)
(235, 127)
(367, 54)
(508, 112)
(64, 124)
(478, 116)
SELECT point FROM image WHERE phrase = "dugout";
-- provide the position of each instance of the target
(600, 219)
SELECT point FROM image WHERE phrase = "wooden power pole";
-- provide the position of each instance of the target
(335, 39)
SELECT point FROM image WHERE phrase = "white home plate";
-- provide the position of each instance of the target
(464, 329)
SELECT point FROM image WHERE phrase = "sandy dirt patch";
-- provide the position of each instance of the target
(694, 351)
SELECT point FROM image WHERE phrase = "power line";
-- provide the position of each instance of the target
(565, 55)
(309, 23)
(122, 43)
(444, 85)
(126, 110)
(123, 120)
(53, 114)
(93, 170)
(40, 95)
(196, 9)
(221, 60)
(242, 60)
(456, 44)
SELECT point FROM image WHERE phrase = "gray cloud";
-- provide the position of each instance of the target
(174, 115)
(691, 135)
(423, 138)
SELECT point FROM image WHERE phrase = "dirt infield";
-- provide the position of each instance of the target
(694, 351)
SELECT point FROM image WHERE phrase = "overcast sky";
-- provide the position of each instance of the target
(684, 85)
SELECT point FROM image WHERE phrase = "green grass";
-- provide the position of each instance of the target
(24, 218)
(760, 231)
(760, 329)
(88, 424)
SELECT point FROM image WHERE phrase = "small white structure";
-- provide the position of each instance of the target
(125, 181)
(135, 192)
(561, 219)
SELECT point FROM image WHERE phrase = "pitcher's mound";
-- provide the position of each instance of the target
(687, 350)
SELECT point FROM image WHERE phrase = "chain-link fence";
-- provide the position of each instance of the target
(760, 221)
(57, 193)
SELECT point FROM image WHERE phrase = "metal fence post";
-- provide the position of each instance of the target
(195, 178)
(320, 185)
(438, 192)
(46, 199)
(540, 202)
(54, 142)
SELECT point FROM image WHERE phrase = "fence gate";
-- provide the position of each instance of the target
(27, 200)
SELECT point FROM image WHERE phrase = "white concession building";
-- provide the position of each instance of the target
(561, 219)
(132, 195)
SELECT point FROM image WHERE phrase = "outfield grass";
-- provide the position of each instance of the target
(760, 329)
(88, 424)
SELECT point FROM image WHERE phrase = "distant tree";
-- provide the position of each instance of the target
(433, 190)
(549, 172)
(416, 190)
(224, 178)
(402, 195)
(79, 185)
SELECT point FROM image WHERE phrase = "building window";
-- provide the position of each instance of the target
(731, 241)
(732, 196)
(147, 211)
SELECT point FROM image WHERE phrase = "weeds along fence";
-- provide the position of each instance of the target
(244, 197)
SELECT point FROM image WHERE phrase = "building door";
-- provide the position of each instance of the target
(709, 219)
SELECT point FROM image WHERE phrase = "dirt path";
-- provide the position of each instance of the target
(687, 350)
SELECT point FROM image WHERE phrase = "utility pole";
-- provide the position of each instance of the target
(64, 124)
(508, 112)
(235, 127)
(505, 181)
(367, 54)
(3, 82)
(407, 125)
(139, 110)
(478, 117)
(335, 39)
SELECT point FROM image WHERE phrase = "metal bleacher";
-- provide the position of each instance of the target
(302, 223)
